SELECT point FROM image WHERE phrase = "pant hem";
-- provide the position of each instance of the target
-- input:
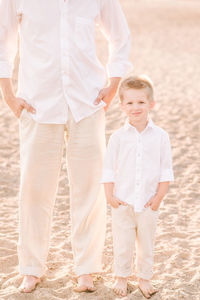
(37, 272)
(122, 275)
(144, 276)
(81, 270)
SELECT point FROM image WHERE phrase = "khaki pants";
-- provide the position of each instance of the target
(41, 148)
(131, 227)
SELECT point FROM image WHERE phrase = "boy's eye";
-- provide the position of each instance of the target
(141, 102)
(129, 103)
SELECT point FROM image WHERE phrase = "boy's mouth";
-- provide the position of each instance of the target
(136, 114)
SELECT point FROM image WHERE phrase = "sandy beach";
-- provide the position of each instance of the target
(166, 47)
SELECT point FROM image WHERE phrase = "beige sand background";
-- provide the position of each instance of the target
(166, 46)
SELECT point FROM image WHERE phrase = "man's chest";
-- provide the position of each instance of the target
(49, 12)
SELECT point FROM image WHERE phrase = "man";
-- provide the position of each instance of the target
(62, 88)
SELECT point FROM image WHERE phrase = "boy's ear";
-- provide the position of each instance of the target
(152, 104)
(121, 105)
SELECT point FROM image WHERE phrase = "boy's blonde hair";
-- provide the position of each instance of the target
(138, 83)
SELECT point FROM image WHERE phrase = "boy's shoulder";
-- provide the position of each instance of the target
(117, 133)
(115, 137)
(160, 130)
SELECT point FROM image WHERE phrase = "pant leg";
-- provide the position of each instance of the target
(124, 235)
(146, 229)
(41, 152)
(85, 151)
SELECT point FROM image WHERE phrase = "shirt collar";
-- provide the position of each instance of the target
(127, 125)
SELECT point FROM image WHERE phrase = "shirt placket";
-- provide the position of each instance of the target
(138, 175)
(64, 40)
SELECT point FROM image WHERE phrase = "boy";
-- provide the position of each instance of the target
(136, 175)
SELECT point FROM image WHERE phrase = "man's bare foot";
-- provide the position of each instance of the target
(85, 284)
(120, 286)
(146, 288)
(29, 284)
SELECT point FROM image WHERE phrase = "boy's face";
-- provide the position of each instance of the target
(136, 105)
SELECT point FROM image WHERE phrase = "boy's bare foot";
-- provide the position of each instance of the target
(120, 286)
(85, 284)
(146, 288)
(29, 284)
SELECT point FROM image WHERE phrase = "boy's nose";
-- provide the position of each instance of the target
(135, 107)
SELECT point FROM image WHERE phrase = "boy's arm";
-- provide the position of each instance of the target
(109, 171)
(8, 49)
(166, 168)
(111, 199)
(166, 173)
(114, 26)
(156, 200)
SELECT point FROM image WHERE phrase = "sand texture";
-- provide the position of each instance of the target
(165, 46)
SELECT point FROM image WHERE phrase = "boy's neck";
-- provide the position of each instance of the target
(139, 126)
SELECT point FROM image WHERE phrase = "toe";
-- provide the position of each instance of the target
(153, 291)
(124, 293)
(92, 289)
(28, 287)
(80, 289)
(145, 293)
(84, 288)
(117, 291)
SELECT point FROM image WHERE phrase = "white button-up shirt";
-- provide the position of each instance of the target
(136, 162)
(58, 63)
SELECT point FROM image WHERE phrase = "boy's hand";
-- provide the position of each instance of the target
(115, 202)
(108, 93)
(154, 203)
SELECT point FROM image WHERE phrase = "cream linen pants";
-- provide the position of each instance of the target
(131, 227)
(41, 149)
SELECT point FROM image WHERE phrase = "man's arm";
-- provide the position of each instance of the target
(15, 104)
(108, 93)
(8, 49)
(114, 26)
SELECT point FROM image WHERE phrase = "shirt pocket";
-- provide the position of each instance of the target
(84, 34)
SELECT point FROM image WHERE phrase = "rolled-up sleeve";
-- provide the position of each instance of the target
(8, 37)
(110, 161)
(115, 28)
(166, 160)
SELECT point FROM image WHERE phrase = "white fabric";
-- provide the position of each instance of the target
(41, 153)
(128, 228)
(58, 62)
(137, 162)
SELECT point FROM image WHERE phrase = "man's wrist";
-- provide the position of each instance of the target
(7, 90)
(109, 198)
(9, 98)
(158, 198)
(114, 82)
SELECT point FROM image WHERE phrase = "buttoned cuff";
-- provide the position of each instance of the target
(118, 69)
(5, 69)
(108, 176)
(166, 175)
